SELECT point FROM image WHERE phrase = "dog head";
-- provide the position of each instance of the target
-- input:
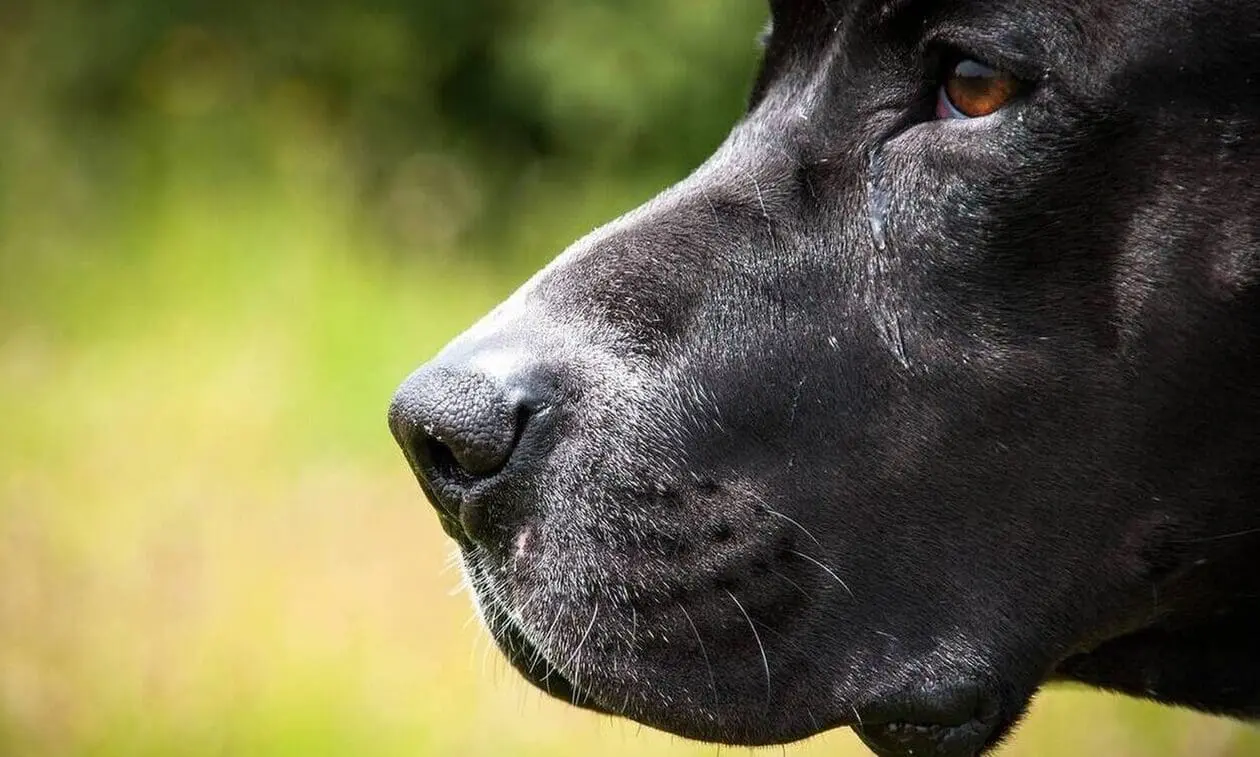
(914, 391)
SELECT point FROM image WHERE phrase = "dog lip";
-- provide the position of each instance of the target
(523, 655)
(488, 512)
(951, 721)
(536, 669)
(897, 739)
(954, 719)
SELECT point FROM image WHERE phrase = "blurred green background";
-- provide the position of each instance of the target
(227, 230)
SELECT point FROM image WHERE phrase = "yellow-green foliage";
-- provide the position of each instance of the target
(208, 543)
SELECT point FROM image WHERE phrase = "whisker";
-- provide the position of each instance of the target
(829, 571)
(792, 583)
(804, 530)
(547, 642)
(576, 659)
(585, 635)
(717, 221)
(765, 661)
(703, 653)
(452, 561)
(761, 200)
(459, 587)
(1234, 535)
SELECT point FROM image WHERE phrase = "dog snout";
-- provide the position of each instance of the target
(466, 422)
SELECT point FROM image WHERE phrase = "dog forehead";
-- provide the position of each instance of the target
(802, 19)
(1129, 51)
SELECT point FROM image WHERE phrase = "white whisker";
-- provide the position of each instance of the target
(765, 661)
(829, 571)
(1234, 535)
(793, 584)
(804, 530)
(703, 653)
(582, 641)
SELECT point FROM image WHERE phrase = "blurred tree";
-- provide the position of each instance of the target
(499, 89)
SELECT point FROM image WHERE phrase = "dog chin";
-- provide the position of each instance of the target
(948, 719)
(547, 639)
(587, 689)
(908, 729)
(535, 668)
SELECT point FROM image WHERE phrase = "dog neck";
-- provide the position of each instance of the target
(1200, 650)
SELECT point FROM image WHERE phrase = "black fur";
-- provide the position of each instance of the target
(883, 421)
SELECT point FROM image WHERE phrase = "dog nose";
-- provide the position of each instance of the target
(463, 423)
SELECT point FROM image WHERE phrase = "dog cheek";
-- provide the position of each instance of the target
(1152, 549)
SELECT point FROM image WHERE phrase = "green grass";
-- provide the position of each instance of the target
(208, 544)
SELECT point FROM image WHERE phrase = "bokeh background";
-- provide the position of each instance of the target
(227, 230)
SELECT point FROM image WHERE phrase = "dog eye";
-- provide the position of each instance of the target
(973, 90)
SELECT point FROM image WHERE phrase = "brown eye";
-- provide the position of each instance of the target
(973, 90)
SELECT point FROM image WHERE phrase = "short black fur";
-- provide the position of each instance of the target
(883, 421)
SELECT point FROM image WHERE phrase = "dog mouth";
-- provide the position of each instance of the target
(945, 718)
(512, 640)
(530, 662)
(902, 739)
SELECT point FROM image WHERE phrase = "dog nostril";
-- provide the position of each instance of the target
(441, 459)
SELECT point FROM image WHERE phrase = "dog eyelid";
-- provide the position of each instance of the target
(945, 109)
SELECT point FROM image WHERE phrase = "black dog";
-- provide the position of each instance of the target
(938, 382)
